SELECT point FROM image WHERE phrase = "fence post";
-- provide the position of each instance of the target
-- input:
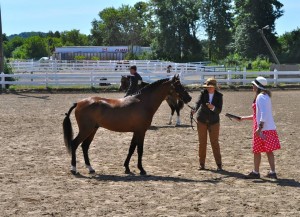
(91, 78)
(32, 65)
(244, 76)
(46, 80)
(182, 79)
(275, 77)
(229, 77)
(201, 77)
(2, 80)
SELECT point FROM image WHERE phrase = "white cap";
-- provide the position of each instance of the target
(260, 82)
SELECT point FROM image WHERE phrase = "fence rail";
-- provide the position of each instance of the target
(94, 73)
(187, 77)
(144, 66)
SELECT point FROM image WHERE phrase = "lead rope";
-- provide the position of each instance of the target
(192, 116)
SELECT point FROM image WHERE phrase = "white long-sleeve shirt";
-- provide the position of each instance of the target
(264, 112)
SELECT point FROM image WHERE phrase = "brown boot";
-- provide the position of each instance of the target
(202, 167)
(219, 167)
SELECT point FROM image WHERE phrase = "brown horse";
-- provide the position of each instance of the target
(129, 114)
(174, 102)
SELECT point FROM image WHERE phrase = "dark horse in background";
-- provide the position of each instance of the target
(174, 102)
(129, 114)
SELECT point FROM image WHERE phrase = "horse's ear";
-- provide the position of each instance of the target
(174, 77)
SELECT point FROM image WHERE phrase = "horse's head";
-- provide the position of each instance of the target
(180, 90)
(124, 83)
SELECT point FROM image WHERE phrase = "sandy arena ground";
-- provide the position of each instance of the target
(35, 178)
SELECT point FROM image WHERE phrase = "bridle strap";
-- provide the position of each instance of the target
(192, 116)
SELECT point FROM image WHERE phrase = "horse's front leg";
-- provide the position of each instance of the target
(171, 115)
(140, 147)
(130, 152)
(178, 122)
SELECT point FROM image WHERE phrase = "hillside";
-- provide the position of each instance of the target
(27, 34)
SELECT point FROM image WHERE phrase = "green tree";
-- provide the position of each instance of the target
(252, 15)
(74, 38)
(290, 46)
(53, 43)
(35, 47)
(123, 26)
(57, 34)
(217, 19)
(4, 37)
(11, 45)
(177, 26)
(20, 53)
(96, 33)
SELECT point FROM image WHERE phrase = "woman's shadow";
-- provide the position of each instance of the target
(138, 178)
(280, 182)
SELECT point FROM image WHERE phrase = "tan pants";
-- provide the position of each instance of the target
(213, 131)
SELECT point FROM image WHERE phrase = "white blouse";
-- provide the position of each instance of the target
(264, 112)
(211, 96)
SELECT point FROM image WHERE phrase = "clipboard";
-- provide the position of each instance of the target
(232, 116)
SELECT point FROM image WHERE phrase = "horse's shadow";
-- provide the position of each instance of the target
(29, 96)
(138, 178)
(225, 174)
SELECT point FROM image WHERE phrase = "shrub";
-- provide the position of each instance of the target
(79, 58)
(261, 63)
(131, 56)
(95, 58)
(8, 70)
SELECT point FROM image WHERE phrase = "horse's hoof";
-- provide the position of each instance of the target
(92, 172)
(74, 172)
(143, 173)
(127, 171)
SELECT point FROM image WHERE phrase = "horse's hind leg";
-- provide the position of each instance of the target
(85, 149)
(130, 152)
(140, 147)
(75, 143)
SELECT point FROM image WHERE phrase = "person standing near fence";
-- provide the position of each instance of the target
(208, 108)
(135, 80)
(265, 137)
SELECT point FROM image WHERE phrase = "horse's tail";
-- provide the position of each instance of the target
(180, 104)
(68, 130)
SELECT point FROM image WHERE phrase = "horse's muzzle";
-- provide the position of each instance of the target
(187, 99)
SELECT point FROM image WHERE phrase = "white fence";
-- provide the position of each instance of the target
(93, 73)
(144, 66)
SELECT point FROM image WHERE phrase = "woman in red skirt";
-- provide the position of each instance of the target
(265, 138)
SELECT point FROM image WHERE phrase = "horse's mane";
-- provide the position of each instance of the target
(151, 86)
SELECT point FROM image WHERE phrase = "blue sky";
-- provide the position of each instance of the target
(42, 15)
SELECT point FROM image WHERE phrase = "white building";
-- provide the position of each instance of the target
(98, 52)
